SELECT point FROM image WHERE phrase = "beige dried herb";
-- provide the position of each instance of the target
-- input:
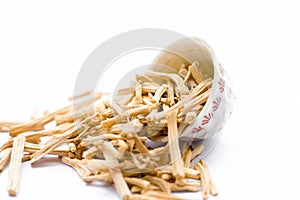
(111, 144)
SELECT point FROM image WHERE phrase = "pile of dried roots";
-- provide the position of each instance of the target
(115, 143)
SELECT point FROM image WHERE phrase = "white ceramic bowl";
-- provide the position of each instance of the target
(210, 121)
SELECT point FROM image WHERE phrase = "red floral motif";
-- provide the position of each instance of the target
(216, 103)
(207, 118)
(196, 130)
(221, 83)
(221, 69)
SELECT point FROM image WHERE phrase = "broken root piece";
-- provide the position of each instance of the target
(5, 158)
(14, 171)
(176, 160)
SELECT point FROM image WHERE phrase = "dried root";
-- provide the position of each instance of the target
(122, 147)
(14, 171)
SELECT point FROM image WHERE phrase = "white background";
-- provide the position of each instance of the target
(44, 43)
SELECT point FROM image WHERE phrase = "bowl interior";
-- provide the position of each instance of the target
(187, 51)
